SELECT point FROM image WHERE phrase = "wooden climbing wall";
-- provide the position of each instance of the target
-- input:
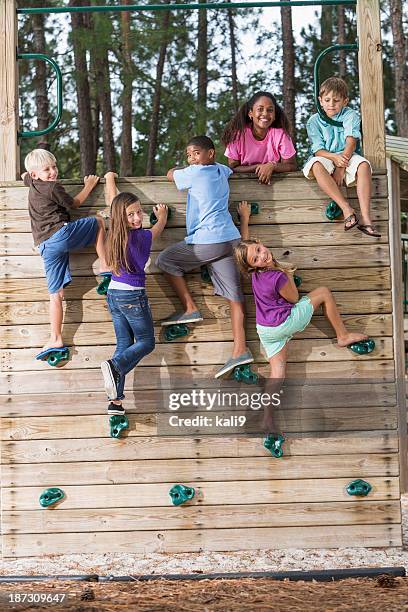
(55, 428)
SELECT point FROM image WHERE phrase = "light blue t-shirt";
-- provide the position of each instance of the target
(208, 219)
(330, 137)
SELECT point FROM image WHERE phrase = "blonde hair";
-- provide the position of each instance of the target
(241, 257)
(37, 159)
(336, 85)
(118, 235)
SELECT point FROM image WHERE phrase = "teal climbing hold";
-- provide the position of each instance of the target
(51, 496)
(254, 208)
(273, 443)
(102, 288)
(205, 275)
(359, 487)
(180, 493)
(333, 211)
(178, 330)
(297, 280)
(118, 423)
(363, 347)
(153, 218)
(244, 374)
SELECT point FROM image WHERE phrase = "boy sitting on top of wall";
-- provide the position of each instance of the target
(53, 232)
(336, 155)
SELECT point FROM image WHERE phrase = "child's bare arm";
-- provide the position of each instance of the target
(244, 211)
(161, 212)
(289, 290)
(350, 147)
(111, 190)
(339, 159)
(170, 174)
(235, 165)
(90, 183)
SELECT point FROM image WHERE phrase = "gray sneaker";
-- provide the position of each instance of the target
(181, 317)
(233, 362)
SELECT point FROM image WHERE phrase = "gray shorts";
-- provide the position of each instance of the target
(182, 257)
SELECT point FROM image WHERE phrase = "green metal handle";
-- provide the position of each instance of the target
(58, 74)
(322, 54)
(173, 7)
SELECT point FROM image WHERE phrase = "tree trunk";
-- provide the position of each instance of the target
(401, 69)
(233, 45)
(154, 126)
(87, 148)
(202, 58)
(126, 154)
(288, 90)
(40, 80)
(341, 39)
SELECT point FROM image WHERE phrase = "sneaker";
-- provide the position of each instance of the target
(233, 362)
(181, 317)
(116, 409)
(111, 378)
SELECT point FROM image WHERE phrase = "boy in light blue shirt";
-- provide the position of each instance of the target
(336, 155)
(211, 237)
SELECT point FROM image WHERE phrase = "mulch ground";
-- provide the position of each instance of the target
(384, 593)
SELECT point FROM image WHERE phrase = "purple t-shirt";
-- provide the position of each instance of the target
(138, 251)
(271, 308)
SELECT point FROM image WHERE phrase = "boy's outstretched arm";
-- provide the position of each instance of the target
(111, 190)
(244, 211)
(90, 183)
(170, 174)
(161, 212)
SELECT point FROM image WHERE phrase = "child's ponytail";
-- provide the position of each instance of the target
(241, 257)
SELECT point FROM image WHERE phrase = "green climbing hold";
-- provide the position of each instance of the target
(118, 423)
(180, 494)
(363, 347)
(359, 487)
(178, 330)
(273, 443)
(245, 374)
(54, 358)
(102, 288)
(205, 275)
(254, 208)
(297, 280)
(153, 218)
(51, 496)
(333, 211)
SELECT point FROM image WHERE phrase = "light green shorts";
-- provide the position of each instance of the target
(273, 339)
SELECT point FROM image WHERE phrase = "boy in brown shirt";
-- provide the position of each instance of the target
(55, 235)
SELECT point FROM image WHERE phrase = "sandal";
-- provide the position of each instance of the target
(351, 218)
(374, 233)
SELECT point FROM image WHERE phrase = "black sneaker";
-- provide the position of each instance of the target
(111, 378)
(116, 409)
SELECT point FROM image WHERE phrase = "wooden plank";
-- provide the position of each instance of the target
(9, 147)
(371, 80)
(209, 517)
(202, 540)
(207, 493)
(308, 395)
(93, 426)
(34, 290)
(33, 313)
(198, 470)
(57, 380)
(369, 254)
(97, 449)
(91, 334)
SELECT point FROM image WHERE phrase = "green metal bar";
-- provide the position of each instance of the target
(58, 74)
(182, 7)
(349, 47)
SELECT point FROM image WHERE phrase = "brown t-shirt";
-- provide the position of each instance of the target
(47, 206)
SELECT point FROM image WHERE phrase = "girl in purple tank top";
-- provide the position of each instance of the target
(279, 311)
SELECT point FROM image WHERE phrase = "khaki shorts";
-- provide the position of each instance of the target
(351, 170)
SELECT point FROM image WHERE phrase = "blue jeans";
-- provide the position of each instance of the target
(133, 324)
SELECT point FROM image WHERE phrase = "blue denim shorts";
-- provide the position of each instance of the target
(55, 250)
(273, 339)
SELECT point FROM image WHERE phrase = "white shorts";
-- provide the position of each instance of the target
(351, 169)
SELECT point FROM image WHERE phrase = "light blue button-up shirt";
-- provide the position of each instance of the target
(332, 138)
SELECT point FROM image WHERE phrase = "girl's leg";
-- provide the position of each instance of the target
(329, 186)
(273, 384)
(364, 188)
(238, 330)
(100, 245)
(324, 297)
(124, 339)
(140, 322)
(180, 287)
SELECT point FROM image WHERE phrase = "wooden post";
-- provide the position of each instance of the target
(9, 150)
(398, 315)
(371, 81)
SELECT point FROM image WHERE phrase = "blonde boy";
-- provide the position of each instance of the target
(336, 155)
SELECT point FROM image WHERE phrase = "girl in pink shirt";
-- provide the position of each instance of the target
(257, 139)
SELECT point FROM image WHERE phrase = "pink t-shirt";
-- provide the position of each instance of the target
(247, 150)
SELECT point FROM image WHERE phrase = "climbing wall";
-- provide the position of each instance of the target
(55, 429)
